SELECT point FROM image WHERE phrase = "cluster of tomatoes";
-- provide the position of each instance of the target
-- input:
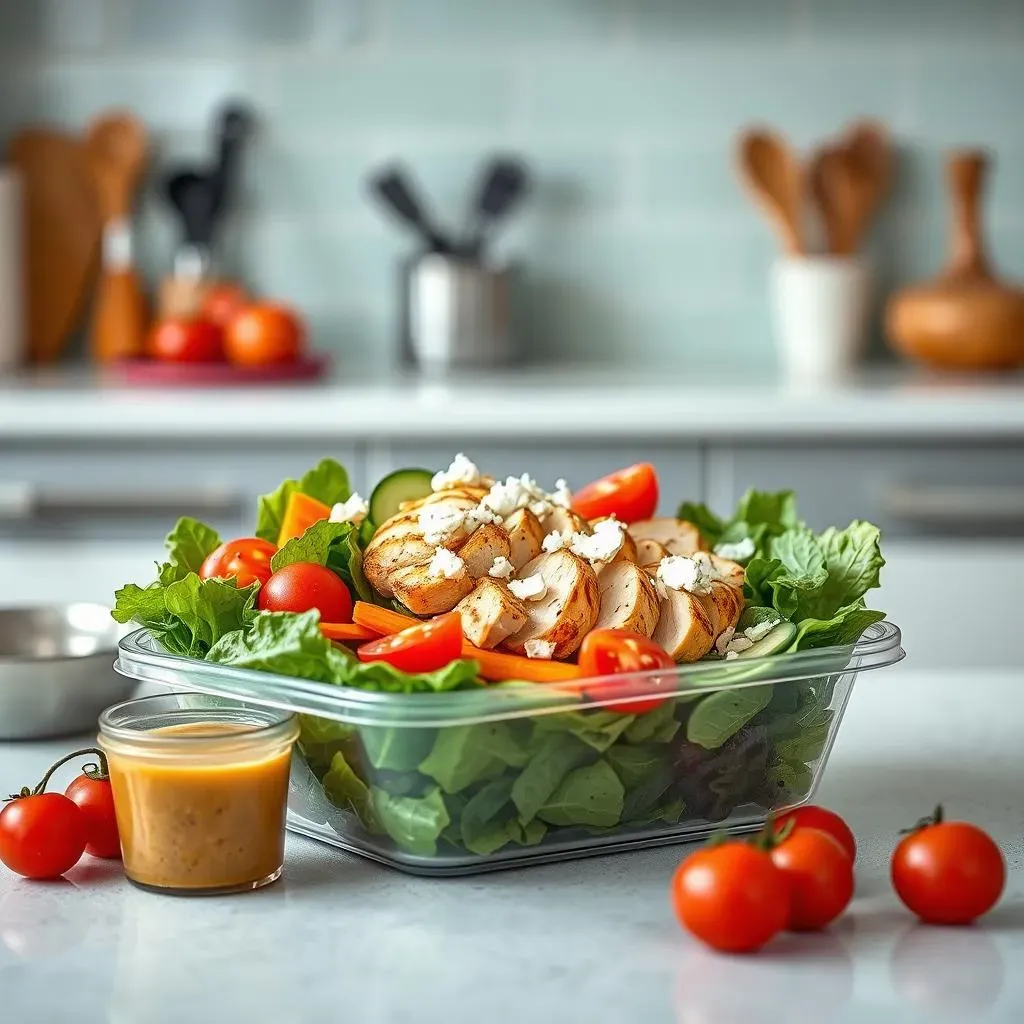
(42, 834)
(230, 326)
(798, 875)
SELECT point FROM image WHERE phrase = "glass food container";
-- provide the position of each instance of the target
(200, 791)
(522, 773)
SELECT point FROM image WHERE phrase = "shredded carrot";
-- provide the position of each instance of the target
(494, 665)
(347, 631)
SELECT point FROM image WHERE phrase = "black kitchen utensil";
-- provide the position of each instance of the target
(503, 185)
(236, 126)
(391, 185)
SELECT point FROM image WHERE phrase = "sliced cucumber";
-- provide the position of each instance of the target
(774, 641)
(402, 485)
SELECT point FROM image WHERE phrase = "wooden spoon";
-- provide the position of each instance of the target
(835, 189)
(870, 157)
(770, 169)
(116, 145)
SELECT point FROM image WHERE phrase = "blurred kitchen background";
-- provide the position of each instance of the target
(641, 318)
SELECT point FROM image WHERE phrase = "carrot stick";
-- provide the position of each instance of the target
(347, 631)
(494, 665)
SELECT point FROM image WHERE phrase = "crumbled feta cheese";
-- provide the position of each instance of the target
(460, 473)
(479, 516)
(353, 510)
(728, 643)
(729, 655)
(541, 509)
(738, 552)
(555, 541)
(533, 588)
(539, 648)
(501, 568)
(505, 498)
(439, 522)
(761, 630)
(722, 643)
(561, 496)
(603, 544)
(445, 563)
(739, 644)
(680, 572)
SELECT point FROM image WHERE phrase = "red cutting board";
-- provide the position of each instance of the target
(151, 373)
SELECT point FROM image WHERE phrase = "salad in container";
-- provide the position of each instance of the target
(487, 673)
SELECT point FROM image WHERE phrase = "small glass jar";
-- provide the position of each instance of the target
(200, 791)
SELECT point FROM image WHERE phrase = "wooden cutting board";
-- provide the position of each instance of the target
(62, 231)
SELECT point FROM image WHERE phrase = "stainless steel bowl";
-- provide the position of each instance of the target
(56, 670)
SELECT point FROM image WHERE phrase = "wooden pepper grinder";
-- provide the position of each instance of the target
(966, 319)
(116, 146)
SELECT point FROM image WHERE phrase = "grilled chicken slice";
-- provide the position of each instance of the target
(627, 553)
(386, 554)
(628, 599)
(426, 594)
(649, 553)
(525, 535)
(491, 613)
(684, 628)
(678, 536)
(483, 547)
(564, 520)
(468, 492)
(723, 606)
(569, 609)
(730, 572)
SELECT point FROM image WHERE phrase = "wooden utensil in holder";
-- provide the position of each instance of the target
(116, 146)
(965, 319)
(771, 171)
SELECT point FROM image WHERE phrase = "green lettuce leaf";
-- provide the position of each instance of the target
(841, 630)
(334, 545)
(598, 729)
(721, 715)
(397, 750)
(327, 482)
(591, 796)
(346, 790)
(696, 512)
(555, 756)
(414, 823)
(774, 510)
(854, 560)
(187, 545)
(463, 755)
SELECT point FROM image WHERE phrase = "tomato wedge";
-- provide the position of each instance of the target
(607, 652)
(629, 494)
(421, 648)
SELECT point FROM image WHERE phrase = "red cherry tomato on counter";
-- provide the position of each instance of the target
(41, 836)
(303, 586)
(424, 648)
(731, 896)
(223, 301)
(264, 334)
(823, 819)
(629, 494)
(95, 799)
(820, 876)
(948, 872)
(181, 340)
(607, 652)
(246, 559)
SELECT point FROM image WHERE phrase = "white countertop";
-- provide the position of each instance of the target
(341, 939)
(536, 403)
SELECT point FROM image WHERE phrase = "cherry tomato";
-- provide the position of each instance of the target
(246, 559)
(608, 652)
(95, 799)
(823, 819)
(223, 301)
(731, 896)
(181, 340)
(948, 872)
(423, 648)
(41, 836)
(630, 494)
(820, 876)
(264, 333)
(302, 586)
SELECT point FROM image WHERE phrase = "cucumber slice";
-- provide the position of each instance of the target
(402, 485)
(776, 640)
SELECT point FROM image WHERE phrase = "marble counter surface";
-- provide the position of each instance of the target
(341, 939)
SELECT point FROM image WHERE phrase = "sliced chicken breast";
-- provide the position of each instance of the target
(468, 492)
(678, 536)
(385, 554)
(426, 594)
(569, 609)
(628, 599)
(628, 552)
(491, 613)
(723, 605)
(525, 535)
(684, 628)
(564, 520)
(483, 547)
(730, 572)
(650, 552)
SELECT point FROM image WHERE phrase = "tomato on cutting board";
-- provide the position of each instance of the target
(264, 334)
(630, 494)
(185, 340)
(608, 652)
(304, 586)
(246, 560)
(422, 648)
(300, 514)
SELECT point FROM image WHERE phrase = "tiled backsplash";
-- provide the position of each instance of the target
(638, 243)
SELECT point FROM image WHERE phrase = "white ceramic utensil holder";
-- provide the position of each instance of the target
(820, 308)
